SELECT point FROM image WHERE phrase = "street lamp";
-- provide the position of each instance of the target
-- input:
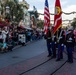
(0, 9)
(8, 14)
(7, 9)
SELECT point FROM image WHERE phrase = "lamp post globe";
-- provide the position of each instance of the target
(7, 9)
(0, 9)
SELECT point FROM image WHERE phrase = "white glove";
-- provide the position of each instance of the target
(70, 38)
(50, 43)
(55, 42)
(60, 37)
(62, 44)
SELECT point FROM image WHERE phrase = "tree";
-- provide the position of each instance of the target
(40, 24)
(16, 11)
(74, 23)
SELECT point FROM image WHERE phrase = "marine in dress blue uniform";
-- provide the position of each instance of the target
(48, 40)
(70, 40)
(53, 45)
(61, 39)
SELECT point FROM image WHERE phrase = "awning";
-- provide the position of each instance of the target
(2, 24)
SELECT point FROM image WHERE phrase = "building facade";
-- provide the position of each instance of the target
(26, 19)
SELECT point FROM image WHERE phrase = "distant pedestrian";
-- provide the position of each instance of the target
(75, 35)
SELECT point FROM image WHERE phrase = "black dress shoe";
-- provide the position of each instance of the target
(53, 57)
(71, 61)
(68, 60)
(49, 56)
(57, 59)
(61, 58)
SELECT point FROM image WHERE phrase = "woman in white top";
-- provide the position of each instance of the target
(4, 34)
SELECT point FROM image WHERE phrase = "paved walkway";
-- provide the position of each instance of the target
(41, 65)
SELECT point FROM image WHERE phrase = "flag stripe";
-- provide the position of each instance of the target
(46, 17)
(57, 20)
(46, 9)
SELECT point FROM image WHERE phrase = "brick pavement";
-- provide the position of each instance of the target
(48, 68)
(23, 66)
(20, 67)
(67, 69)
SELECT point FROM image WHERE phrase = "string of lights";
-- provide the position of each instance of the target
(73, 12)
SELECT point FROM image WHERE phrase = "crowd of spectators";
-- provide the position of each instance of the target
(11, 37)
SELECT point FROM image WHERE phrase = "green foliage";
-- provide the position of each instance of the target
(15, 10)
(40, 24)
(74, 23)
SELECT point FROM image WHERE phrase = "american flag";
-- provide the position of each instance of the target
(46, 17)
